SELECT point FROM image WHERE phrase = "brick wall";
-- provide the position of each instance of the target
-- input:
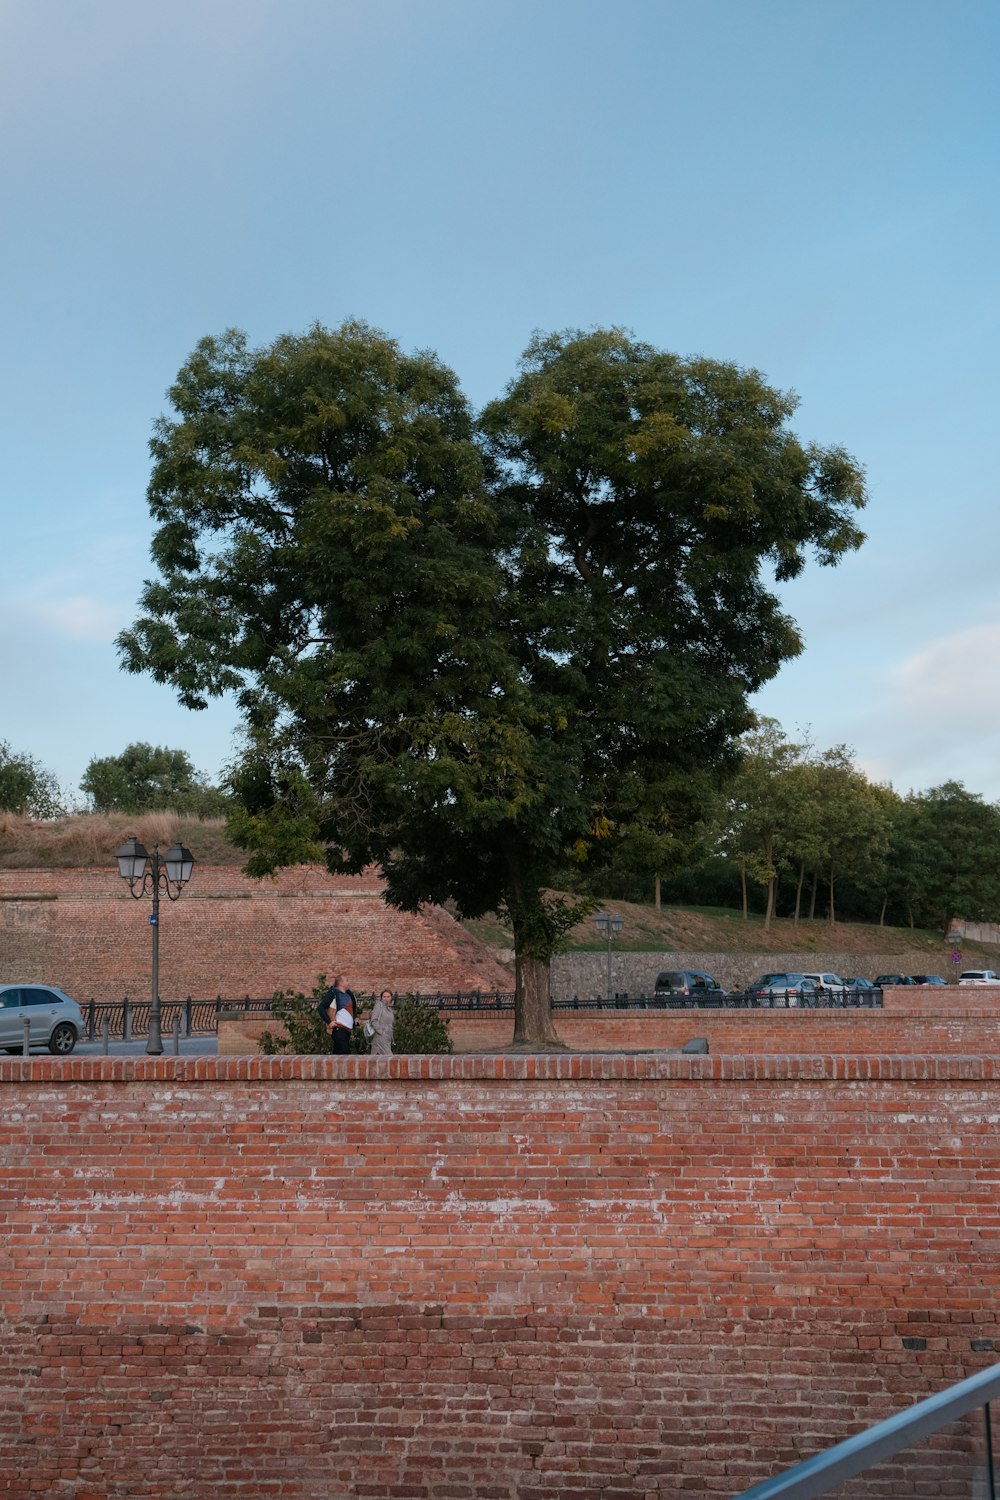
(494, 1278)
(229, 936)
(965, 1030)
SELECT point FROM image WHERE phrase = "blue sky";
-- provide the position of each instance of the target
(806, 186)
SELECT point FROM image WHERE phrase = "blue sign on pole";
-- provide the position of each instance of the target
(152, 919)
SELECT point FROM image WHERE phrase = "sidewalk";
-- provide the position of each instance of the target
(204, 1044)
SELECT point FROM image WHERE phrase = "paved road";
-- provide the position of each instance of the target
(204, 1045)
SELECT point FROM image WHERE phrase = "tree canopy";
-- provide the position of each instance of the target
(477, 652)
(26, 786)
(149, 778)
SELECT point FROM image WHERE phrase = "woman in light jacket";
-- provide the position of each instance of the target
(381, 1025)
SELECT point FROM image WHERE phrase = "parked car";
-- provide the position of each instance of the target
(978, 976)
(928, 979)
(55, 1021)
(764, 982)
(781, 989)
(686, 982)
(858, 983)
(828, 984)
(886, 981)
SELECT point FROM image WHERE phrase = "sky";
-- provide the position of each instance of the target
(807, 187)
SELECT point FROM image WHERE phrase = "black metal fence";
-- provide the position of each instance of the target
(128, 1018)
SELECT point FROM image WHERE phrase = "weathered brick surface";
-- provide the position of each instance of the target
(488, 1277)
(81, 930)
(960, 1026)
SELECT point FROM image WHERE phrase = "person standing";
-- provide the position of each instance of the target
(381, 1025)
(337, 1008)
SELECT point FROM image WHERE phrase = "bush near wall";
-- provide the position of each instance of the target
(416, 1028)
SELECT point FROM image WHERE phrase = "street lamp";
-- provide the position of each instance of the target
(149, 873)
(610, 926)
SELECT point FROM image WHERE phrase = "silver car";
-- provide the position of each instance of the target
(54, 1020)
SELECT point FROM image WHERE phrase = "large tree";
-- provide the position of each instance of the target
(954, 869)
(765, 811)
(472, 653)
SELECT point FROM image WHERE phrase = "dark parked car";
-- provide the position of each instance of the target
(54, 1020)
(782, 989)
(689, 983)
(928, 979)
(886, 981)
(857, 983)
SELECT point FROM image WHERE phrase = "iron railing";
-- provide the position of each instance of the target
(127, 1018)
(822, 1473)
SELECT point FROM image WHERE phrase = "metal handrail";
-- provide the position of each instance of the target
(127, 1017)
(817, 1475)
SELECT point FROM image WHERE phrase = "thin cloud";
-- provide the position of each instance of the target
(78, 617)
(957, 673)
(939, 716)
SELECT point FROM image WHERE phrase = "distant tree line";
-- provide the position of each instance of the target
(143, 778)
(804, 834)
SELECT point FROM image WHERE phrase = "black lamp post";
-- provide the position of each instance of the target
(609, 926)
(149, 873)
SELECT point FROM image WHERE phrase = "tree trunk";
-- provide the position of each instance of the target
(798, 891)
(769, 911)
(881, 915)
(533, 1004)
(743, 888)
(832, 914)
(657, 889)
(812, 902)
(533, 946)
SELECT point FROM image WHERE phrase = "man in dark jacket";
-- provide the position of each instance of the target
(336, 1010)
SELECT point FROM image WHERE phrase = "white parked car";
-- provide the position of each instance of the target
(54, 1020)
(978, 976)
(828, 984)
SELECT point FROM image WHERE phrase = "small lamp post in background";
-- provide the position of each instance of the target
(148, 874)
(609, 926)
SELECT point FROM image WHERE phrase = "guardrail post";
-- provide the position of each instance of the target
(187, 1016)
(127, 1023)
(991, 1490)
(176, 1033)
(25, 1045)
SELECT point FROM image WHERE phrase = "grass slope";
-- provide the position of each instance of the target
(719, 930)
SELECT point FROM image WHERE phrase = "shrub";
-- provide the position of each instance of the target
(304, 1030)
(416, 1028)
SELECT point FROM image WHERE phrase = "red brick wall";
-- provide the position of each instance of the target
(962, 1029)
(229, 936)
(496, 1277)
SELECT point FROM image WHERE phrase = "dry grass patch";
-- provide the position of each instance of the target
(89, 840)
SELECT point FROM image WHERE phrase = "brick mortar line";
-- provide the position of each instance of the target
(571, 1068)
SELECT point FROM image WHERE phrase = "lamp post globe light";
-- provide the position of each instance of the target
(148, 874)
(609, 925)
